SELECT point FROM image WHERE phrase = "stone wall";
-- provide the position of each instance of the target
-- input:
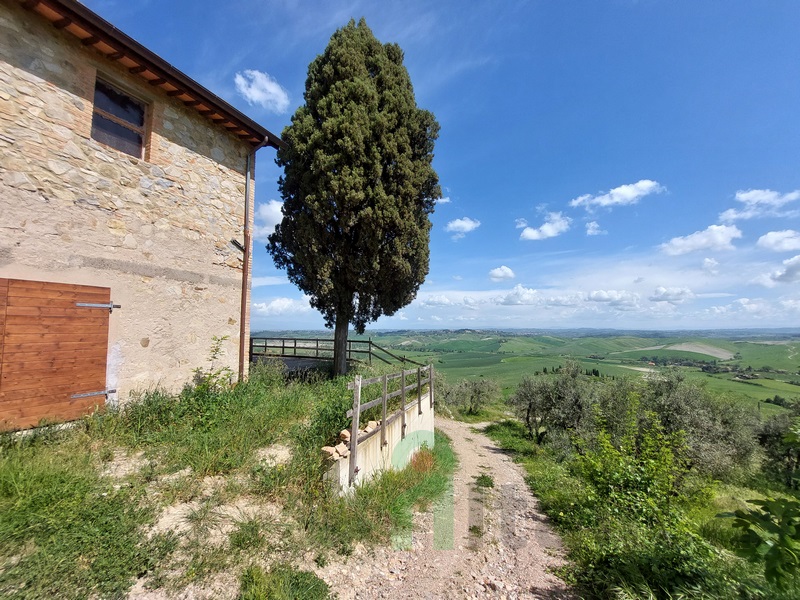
(156, 231)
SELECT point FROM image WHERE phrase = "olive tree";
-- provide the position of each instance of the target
(358, 186)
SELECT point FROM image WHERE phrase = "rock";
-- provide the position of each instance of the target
(342, 449)
(344, 436)
(328, 452)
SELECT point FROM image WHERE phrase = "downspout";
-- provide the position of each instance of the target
(244, 350)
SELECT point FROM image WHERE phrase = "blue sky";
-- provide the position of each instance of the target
(608, 163)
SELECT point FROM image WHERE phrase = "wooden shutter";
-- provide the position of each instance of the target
(52, 351)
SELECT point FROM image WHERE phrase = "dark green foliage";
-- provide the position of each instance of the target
(620, 510)
(553, 403)
(621, 466)
(282, 582)
(358, 184)
(782, 458)
(639, 479)
(771, 534)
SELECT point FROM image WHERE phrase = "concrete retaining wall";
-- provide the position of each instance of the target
(372, 458)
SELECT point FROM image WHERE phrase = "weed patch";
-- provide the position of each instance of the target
(282, 582)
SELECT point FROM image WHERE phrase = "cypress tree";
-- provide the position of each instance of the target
(358, 186)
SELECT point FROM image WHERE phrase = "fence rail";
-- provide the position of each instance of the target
(406, 390)
(321, 349)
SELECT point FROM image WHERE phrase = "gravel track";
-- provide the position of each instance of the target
(496, 544)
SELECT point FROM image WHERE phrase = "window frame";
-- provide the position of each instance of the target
(143, 131)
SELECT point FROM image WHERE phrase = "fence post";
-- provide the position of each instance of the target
(403, 405)
(354, 429)
(419, 390)
(383, 422)
(430, 391)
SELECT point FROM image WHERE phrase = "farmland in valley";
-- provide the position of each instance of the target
(750, 365)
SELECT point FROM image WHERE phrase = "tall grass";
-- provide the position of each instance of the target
(67, 531)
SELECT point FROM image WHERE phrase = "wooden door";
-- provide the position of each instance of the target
(53, 351)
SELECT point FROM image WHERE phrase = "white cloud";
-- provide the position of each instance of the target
(554, 225)
(440, 300)
(711, 265)
(501, 273)
(620, 299)
(623, 195)
(460, 227)
(673, 295)
(715, 237)
(281, 306)
(267, 216)
(520, 223)
(435, 318)
(269, 280)
(402, 316)
(761, 203)
(593, 228)
(520, 295)
(791, 272)
(261, 88)
(780, 241)
(445, 200)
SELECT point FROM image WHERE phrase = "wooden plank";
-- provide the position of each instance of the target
(52, 311)
(87, 352)
(37, 398)
(354, 431)
(45, 296)
(50, 287)
(56, 301)
(88, 380)
(92, 318)
(54, 376)
(66, 328)
(49, 372)
(19, 341)
(68, 410)
(46, 363)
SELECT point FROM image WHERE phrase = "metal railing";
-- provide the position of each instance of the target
(321, 349)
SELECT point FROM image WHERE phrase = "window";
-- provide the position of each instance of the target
(118, 120)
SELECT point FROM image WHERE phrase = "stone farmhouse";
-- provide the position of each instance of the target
(126, 205)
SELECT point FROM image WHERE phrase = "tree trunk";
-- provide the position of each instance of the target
(340, 344)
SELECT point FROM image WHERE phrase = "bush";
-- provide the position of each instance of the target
(547, 404)
(720, 434)
(472, 395)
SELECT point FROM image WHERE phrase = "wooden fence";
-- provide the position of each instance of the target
(422, 376)
(321, 349)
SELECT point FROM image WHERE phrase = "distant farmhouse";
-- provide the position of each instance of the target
(126, 204)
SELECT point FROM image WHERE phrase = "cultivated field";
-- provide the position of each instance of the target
(753, 366)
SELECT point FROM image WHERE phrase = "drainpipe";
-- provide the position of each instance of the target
(244, 350)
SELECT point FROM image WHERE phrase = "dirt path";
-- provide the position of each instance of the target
(481, 542)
